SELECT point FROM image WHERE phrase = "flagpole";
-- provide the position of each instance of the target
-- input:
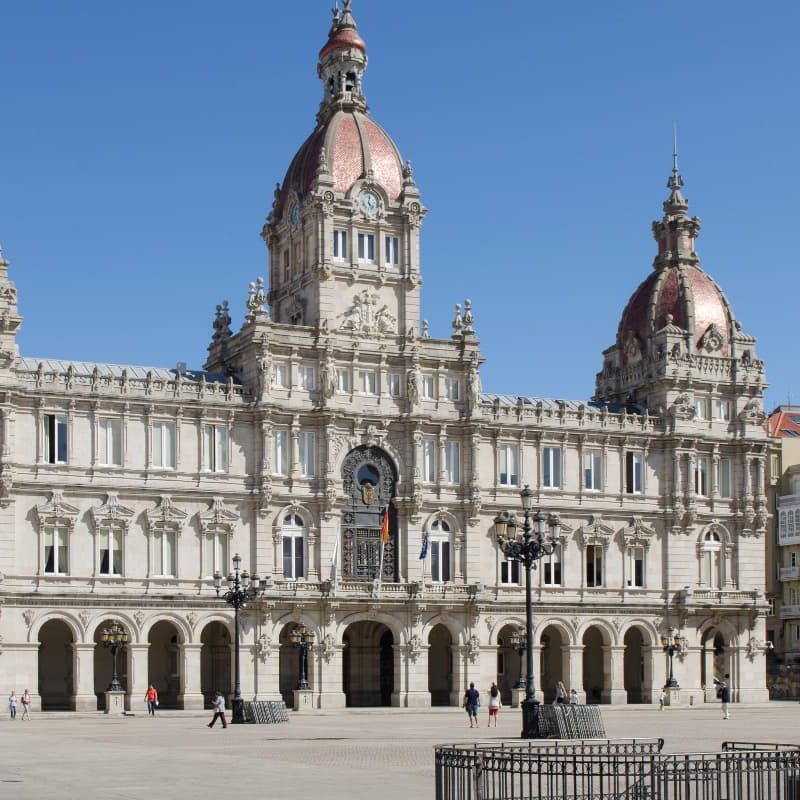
(380, 568)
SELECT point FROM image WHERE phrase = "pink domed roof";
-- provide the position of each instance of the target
(343, 39)
(686, 294)
(353, 144)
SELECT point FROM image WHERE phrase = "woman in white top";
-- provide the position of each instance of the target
(494, 705)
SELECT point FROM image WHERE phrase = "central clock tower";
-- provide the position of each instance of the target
(343, 233)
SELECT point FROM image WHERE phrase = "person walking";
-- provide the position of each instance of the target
(26, 705)
(561, 693)
(472, 699)
(725, 697)
(12, 704)
(151, 698)
(573, 697)
(494, 705)
(662, 699)
(219, 711)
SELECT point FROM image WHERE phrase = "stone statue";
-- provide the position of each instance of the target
(412, 385)
(327, 379)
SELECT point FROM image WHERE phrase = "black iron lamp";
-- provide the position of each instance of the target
(303, 639)
(519, 643)
(672, 645)
(242, 588)
(114, 638)
(527, 545)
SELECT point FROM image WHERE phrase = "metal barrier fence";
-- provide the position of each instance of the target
(615, 770)
(265, 712)
(566, 721)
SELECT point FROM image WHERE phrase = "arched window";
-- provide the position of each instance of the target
(439, 548)
(712, 560)
(293, 538)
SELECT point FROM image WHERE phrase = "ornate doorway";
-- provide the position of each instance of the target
(369, 478)
(368, 664)
(56, 685)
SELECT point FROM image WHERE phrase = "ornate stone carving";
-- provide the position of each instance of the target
(112, 513)
(752, 414)
(83, 616)
(28, 615)
(138, 618)
(256, 298)
(473, 649)
(327, 647)
(682, 407)
(222, 324)
(263, 647)
(713, 339)
(365, 317)
(415, 648)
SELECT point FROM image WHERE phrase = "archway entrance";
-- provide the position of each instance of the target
(593, 666)
(104, 664)
(56, 684)
(289, 666)
(715, 662)
(215, 662)
(551, 663)
(368, 482)
(163, 664)
(509, 663)
(633, 666)
(440, 665)
(368, 664)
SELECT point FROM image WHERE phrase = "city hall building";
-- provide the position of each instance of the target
(123, 489)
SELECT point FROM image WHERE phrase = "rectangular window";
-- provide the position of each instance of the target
(593, 471)
(392, 251)
(551, 567)
(634, 477)
(594, 565)
(343, 380)
(308, 453)
(701, 408)
(508, 458)
(110, 552)
(287, 273)
(452, 461)
(551, 467)
(308, 378)
(366, 247)
(722, 410)
(56, 551)
(725, 477)
(452, 388)
(368, 382)
(109, 449)
(428, 387)
(701, 477)
(636, 566)
(164, 553)
(164, 444)
(55, 439)
(509, 572)
(280, 375)
(440, 561)
(216, 554)
(292, 557)
(216, 448)
(280, 452)
(429, 460)
(792, 559)
(340, 245)
(393, 381)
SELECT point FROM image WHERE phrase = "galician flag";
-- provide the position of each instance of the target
(385, 526)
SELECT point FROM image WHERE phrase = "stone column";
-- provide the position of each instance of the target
(138, 677)
(575, 665)
(614, 675)
(414, 687)
(191, 695)
(27, 670)
(328, 676)
(83, 672)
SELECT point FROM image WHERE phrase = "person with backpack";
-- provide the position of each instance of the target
(471, 703)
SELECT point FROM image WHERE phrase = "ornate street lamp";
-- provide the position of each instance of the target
(241, 590)
(672, 645)
(519, 643)
(527, 546)
(114, 638)
(303, 639)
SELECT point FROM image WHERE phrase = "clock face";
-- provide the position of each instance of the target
(368, 203)
(294, 214)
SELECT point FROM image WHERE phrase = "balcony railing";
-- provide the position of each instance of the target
(789, 574)
(790, 611)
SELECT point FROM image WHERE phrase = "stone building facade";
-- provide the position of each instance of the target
(123, 489)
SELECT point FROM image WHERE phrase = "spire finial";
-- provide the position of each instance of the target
(675, 181)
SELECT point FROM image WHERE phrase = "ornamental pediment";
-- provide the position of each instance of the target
(217, 516)
(595, 529)
(167, 513)
(57, 510)
(638, 532)
(111, 512)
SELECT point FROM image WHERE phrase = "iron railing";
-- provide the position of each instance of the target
(615, 770)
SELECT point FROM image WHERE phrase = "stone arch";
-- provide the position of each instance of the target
(196, 631)
(554, 658)
(718, 639)
(369, 485)
(457, 631)
(216, 651)
(708, 536)
(104, 659)
(164, 668)
(351, 444)
(123, 617)
(70, 620)
(566, 630)
(596, 639)
(649, 631)
(635, 664)
(305, 512)
(370, 664)
(510, 662)
(300, 540)
(440, 642)
(179, 622)
(609, 636)
(289, 658)
(56, 678)
(398, 630)
(498, 626)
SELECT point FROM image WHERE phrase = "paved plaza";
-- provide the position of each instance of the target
(376, 753)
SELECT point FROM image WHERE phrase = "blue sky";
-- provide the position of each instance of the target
(141, 143)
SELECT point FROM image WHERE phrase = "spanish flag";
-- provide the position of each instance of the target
(385, 526)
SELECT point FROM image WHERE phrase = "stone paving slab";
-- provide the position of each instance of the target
(377, 753)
